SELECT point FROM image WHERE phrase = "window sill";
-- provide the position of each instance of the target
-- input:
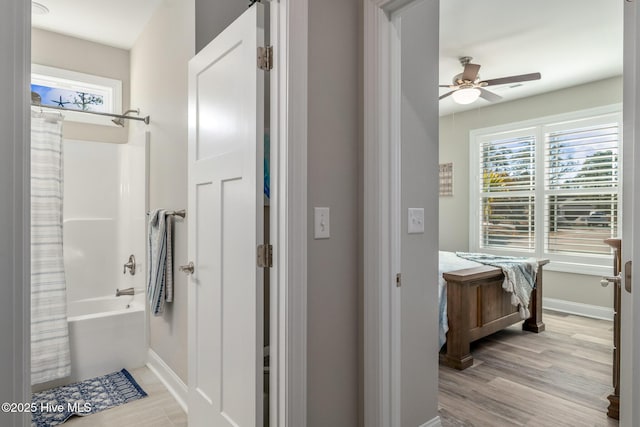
(575, 268)
(595, 266)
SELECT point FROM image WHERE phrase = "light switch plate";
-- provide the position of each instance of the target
(322, 220)
(416, 220)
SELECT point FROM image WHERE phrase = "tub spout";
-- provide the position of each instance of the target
(128, 291)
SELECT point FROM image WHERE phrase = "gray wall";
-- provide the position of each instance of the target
(419, 252)
(159, 88)
(454, 147)
(70, 53)
(14, 207)
(213, 16)
(333, 168)
(333, 176)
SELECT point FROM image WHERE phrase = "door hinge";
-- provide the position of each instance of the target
(265, 58)
(265, 256)
(398, 280)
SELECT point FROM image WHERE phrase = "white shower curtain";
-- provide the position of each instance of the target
(50, 358)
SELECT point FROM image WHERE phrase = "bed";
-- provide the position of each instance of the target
(474, 305)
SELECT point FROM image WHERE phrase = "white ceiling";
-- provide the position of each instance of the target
(115, 23)
(569, 41)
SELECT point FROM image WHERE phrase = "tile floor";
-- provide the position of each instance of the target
(158, 409)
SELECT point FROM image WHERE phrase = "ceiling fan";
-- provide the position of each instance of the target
(467, 86)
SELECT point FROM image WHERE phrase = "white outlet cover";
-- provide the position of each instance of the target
(416, 220)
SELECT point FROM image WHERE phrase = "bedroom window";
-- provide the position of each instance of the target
(549, 188)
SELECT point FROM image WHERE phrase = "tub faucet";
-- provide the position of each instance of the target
(128, 291)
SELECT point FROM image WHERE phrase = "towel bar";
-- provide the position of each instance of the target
(181, 213)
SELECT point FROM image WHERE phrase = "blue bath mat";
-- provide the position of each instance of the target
(55, 406)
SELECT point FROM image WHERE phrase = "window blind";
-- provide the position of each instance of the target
(549, 188)
(582, 178)
(507, 192)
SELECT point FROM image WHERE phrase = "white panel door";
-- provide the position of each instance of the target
(226, 102)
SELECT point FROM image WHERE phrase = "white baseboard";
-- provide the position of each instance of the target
(433, 423)
(570, 307)
(170, 379)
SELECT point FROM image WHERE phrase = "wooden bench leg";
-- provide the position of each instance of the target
(458, 354)
(534, 323)
(458, 362)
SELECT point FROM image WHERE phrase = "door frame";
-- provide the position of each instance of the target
(630, 333)
(289, 24)
(381, 317)
(288, 136)
(382, 215)
(15, 207)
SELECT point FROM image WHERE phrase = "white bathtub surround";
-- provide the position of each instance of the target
(50, 357)
(106, 334)
(92, 220)
(132, 206)
(104, 216)
(105, 197)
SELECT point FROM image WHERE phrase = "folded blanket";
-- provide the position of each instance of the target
(519, 276)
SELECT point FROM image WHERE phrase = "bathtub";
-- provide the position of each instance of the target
(106, 334)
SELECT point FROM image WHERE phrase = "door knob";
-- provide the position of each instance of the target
(187, 269)
(610, 279)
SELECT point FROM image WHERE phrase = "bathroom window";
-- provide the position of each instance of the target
(72, 90)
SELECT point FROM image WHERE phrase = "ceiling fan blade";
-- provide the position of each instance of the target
(470, 72)
(446, 94)
(444, 85)
(489, 96)
(512, 79)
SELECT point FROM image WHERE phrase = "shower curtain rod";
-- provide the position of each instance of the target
(118, 116)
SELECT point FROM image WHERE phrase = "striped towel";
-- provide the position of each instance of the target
(160, 285)
(168, 282)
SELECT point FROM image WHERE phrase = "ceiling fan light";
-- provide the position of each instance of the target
(466, 95)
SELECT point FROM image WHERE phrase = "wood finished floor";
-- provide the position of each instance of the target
(158, 409)
(557, 378)
(560, 377)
